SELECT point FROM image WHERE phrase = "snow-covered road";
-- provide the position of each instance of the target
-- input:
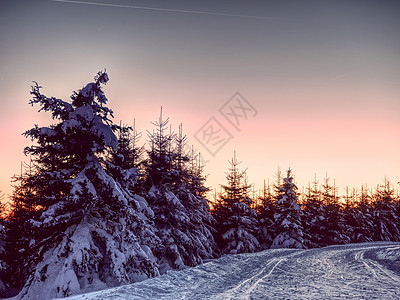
(357, 271)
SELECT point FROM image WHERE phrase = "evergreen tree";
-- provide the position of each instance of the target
(18, 251)
(196, 179)
(182, 215)
(81, 230)
(189, 187)
(328, 193)
(365, 196)
(122, 155)
(237, 221)
(137, 151)
(278, 184)
(313, 215)
(3, 266)
(384, 217)
(333, 220)
(129, 154)
(288, 217)
(363, 215)
(357, 217)
(266, 212)
(124, 163)
(158, 165)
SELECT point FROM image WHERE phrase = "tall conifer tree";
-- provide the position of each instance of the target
(237, 221)
(288, 217)
(81, 229)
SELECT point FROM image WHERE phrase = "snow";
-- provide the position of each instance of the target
(77, 183)
(174, 200)
(47, 131)
(81, 117)
(392, 254)
(88, 90)
(63, 268)
(69, 124)
(84, 112)
(142, 206)
(355, 271)
(284, 240)
(105, 131)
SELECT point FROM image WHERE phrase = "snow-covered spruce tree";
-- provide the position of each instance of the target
(194, 171)
(385, 215)
(237, 222)
(333, 224)
(188, 185)
(3, 266)
(357, 217)
(85, 230)
(124, 163)
(181, 215)
(363, 216)
(288, 217)
(121, 156)
(266, 212)
(128, 154)
(19, 233)
(313, 215)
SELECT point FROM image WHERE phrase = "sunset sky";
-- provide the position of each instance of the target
(320, 78)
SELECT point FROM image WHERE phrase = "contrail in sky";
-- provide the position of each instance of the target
(341, 76)
(171, 10)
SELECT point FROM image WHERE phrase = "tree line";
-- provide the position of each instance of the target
(96, 209)
(282, 217)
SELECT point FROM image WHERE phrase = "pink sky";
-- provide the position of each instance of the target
(322, 77)
(357, 145)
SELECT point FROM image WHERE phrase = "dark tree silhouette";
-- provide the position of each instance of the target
(266, 212)
(237, 221)
(313, 215)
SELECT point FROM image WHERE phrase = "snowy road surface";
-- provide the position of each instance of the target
(357, 271)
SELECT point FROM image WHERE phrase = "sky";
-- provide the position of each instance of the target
(311, 85)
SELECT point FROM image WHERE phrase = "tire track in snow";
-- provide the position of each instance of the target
(386, 272)
(335, 272)
(373, 266)
(359, 256)
(253, 286)
(244, 289)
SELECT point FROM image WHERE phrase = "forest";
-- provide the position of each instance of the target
(97, 207)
